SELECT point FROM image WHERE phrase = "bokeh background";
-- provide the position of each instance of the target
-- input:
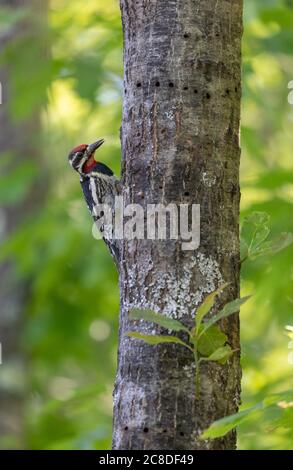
(61, 76)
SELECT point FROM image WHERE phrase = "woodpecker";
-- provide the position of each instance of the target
(99, 186)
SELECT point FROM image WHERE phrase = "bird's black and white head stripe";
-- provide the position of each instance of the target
(81, 158)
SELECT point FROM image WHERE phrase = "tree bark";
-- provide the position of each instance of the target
(180, 140)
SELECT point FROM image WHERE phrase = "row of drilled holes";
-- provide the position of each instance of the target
(171, 85)
(160, 187)
(146, 430)
(157, 84)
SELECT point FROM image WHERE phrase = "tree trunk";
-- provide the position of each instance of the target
(180, 139)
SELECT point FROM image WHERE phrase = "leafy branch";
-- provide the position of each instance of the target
(206, 340)
(281, 402)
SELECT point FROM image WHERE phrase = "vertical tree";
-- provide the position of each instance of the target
(180, 139)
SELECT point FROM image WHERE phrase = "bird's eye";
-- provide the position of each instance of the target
(79, 154)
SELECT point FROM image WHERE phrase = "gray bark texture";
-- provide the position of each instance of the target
(180, 140)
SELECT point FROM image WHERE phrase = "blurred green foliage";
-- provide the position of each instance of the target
(70, 332)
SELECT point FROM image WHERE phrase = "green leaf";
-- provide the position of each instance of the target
(222, 426)
(277, 397)
(157, 339)
(285, 419)
(219, 355)
(159, 319)
(207, 304)
(210, 341)
(228, 310)
(273, 246)
(254, 231)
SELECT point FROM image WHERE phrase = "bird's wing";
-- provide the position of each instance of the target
(85, 185)
(102, 168)
(97, 191)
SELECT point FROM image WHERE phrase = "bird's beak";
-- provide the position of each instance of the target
(93, 147)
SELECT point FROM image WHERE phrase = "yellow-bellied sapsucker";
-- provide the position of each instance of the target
(100, 187)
